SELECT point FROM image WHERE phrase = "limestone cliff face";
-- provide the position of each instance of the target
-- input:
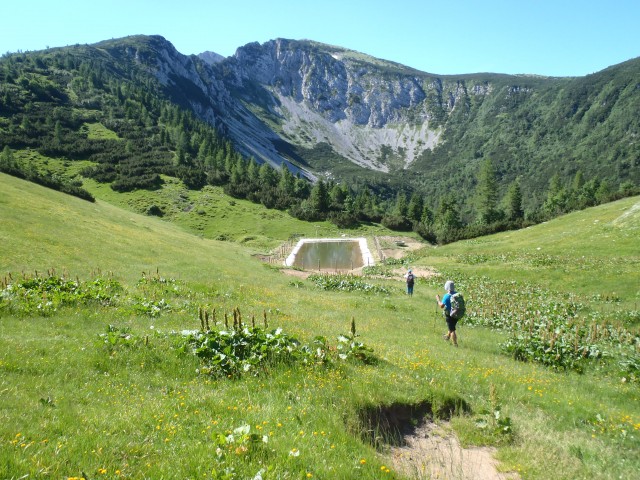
(206, 85)
(334, 83)
(372, 112)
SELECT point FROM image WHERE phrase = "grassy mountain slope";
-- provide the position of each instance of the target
(74, 405)
(212, 214)
(594, 252)
(46, 229)
(207, 212)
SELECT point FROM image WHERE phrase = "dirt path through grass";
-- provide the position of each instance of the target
(433, 452)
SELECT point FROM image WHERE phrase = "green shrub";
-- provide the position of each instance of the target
(346, 283)
(241, 350)
(44, 295)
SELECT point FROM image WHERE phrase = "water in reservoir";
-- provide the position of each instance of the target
(344, 255)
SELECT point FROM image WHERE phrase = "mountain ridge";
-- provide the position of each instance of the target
(327, 111)
(279, 96)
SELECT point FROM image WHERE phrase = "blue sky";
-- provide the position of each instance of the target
(545, 37)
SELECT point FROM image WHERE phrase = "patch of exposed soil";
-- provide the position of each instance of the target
(398, 247)
(297, 273)
(434, 452)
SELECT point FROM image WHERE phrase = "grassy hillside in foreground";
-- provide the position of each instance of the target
(133, 406)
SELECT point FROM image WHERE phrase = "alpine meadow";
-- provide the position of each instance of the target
(151, 330)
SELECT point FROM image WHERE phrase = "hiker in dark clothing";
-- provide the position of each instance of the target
(410, 281)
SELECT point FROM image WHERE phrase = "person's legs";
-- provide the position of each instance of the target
(451, 324)
(450, 327)
(452, 334)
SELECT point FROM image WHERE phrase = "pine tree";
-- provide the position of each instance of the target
(574, 197)
(319, 198)
(416, 206)
(401, 206)
(302, 188)
(364, 205)
(7, 160)
(253, 172)
(268, 176)
(578, 181)
(238, 171)
(447, 221)
(427, 217)
(556, 202)
(287, 182)
(337, 196)
(515, 211)
(229, 161)
(204, 150)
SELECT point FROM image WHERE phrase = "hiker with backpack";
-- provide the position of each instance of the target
(410, 281)
(454, 309)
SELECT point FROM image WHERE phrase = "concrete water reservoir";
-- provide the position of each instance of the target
(330, 254)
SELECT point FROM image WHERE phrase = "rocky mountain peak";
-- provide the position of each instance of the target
(211, 58)
(358, 105)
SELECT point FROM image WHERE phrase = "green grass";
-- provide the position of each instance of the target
(207, 213)
(210, 213)
(71, 404)
(594, 252)
(97, 131)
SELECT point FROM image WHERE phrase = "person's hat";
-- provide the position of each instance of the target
(448, 286)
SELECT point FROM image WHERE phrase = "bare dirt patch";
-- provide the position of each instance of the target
(432, 451)
(303, 274)
(420, 448)
(397, 246)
